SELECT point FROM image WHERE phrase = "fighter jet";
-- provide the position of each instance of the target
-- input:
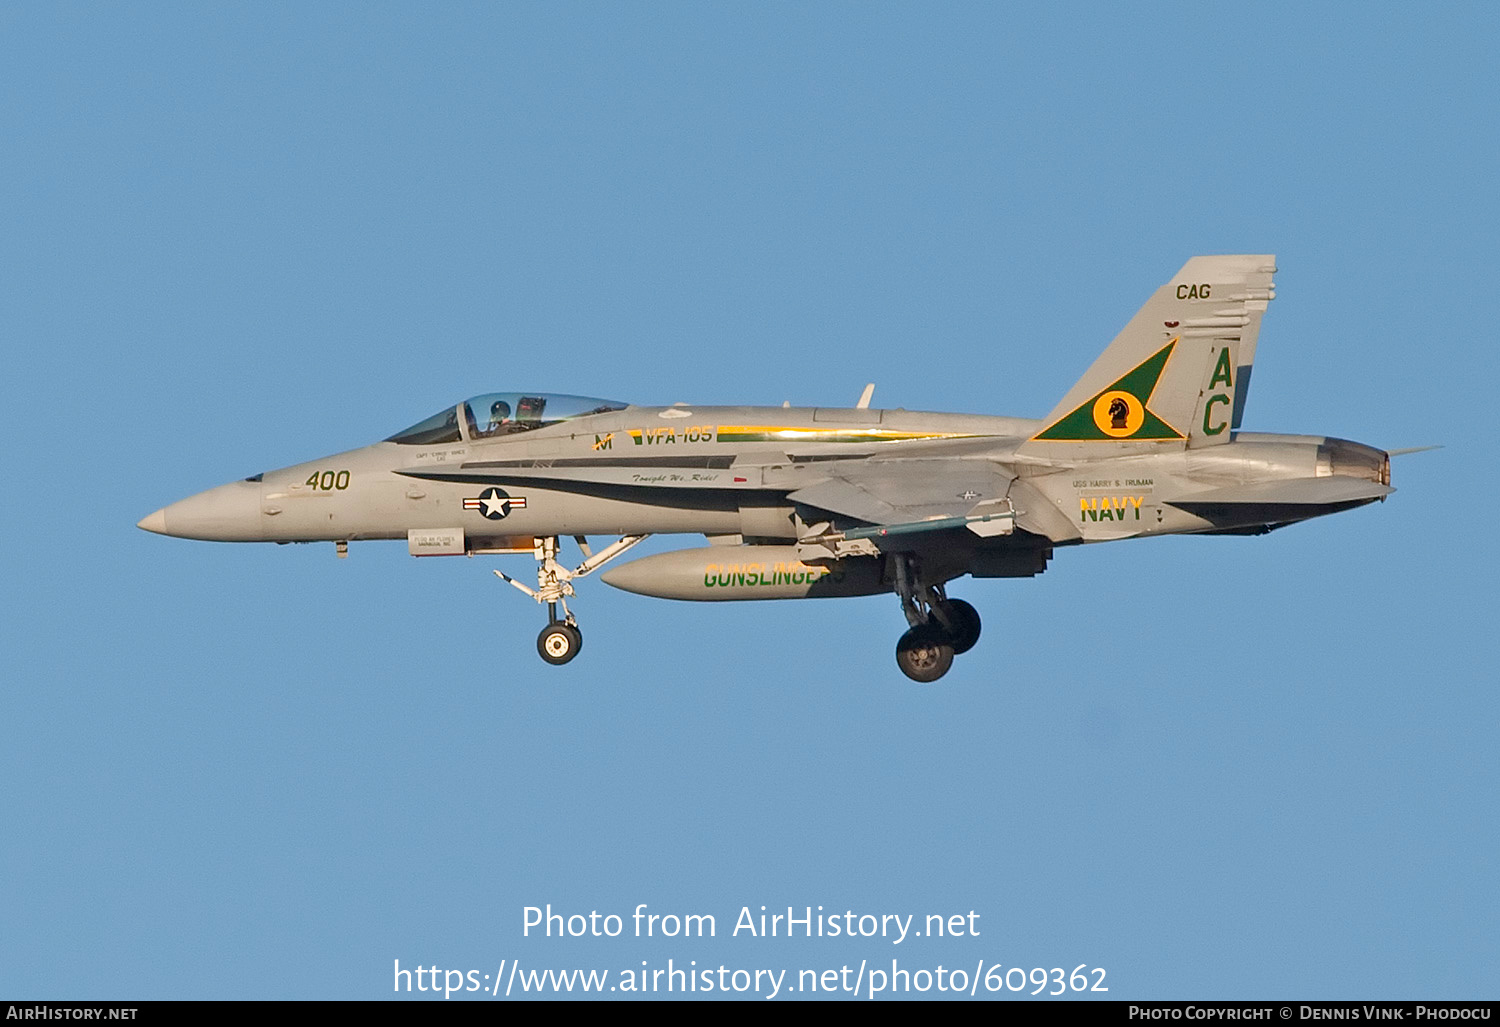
(805, 502)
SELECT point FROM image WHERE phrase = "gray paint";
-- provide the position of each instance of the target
(833, 479)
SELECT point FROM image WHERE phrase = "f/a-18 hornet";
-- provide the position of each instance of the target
(803, 502)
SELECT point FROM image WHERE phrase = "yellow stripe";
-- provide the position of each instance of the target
(784, 431)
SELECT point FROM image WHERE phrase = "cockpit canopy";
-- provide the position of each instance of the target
(501, 413)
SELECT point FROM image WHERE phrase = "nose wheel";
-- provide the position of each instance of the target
(559, 642)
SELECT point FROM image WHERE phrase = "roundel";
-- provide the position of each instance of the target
(495, 503)
(1119, 414)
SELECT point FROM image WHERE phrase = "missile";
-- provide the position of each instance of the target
(717, 573)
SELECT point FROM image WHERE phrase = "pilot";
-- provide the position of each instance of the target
(529, 410)
(499, 417)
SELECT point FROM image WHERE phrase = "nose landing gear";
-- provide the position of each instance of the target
(561, 640)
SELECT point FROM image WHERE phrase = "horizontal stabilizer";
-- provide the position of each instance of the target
(1036, 514)
(1324, 491)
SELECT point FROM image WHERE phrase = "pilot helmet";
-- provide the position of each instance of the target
(499, 412)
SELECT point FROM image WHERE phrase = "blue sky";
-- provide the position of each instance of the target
(242, 236)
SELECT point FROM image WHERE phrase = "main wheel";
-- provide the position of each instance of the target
(558, 643)
(965, 620)
(924, 653)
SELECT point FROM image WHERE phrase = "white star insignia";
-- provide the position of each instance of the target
(493, 502)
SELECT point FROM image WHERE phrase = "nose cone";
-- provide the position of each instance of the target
(229, 513)
(156, 522)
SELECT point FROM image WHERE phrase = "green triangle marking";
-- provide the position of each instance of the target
(1140, 382)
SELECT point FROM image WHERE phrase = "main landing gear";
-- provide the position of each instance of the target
(561, 640)
(941, 628)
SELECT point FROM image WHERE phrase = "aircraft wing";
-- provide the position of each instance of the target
(899, 491)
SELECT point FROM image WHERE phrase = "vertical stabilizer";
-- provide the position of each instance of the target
(1179, 372)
